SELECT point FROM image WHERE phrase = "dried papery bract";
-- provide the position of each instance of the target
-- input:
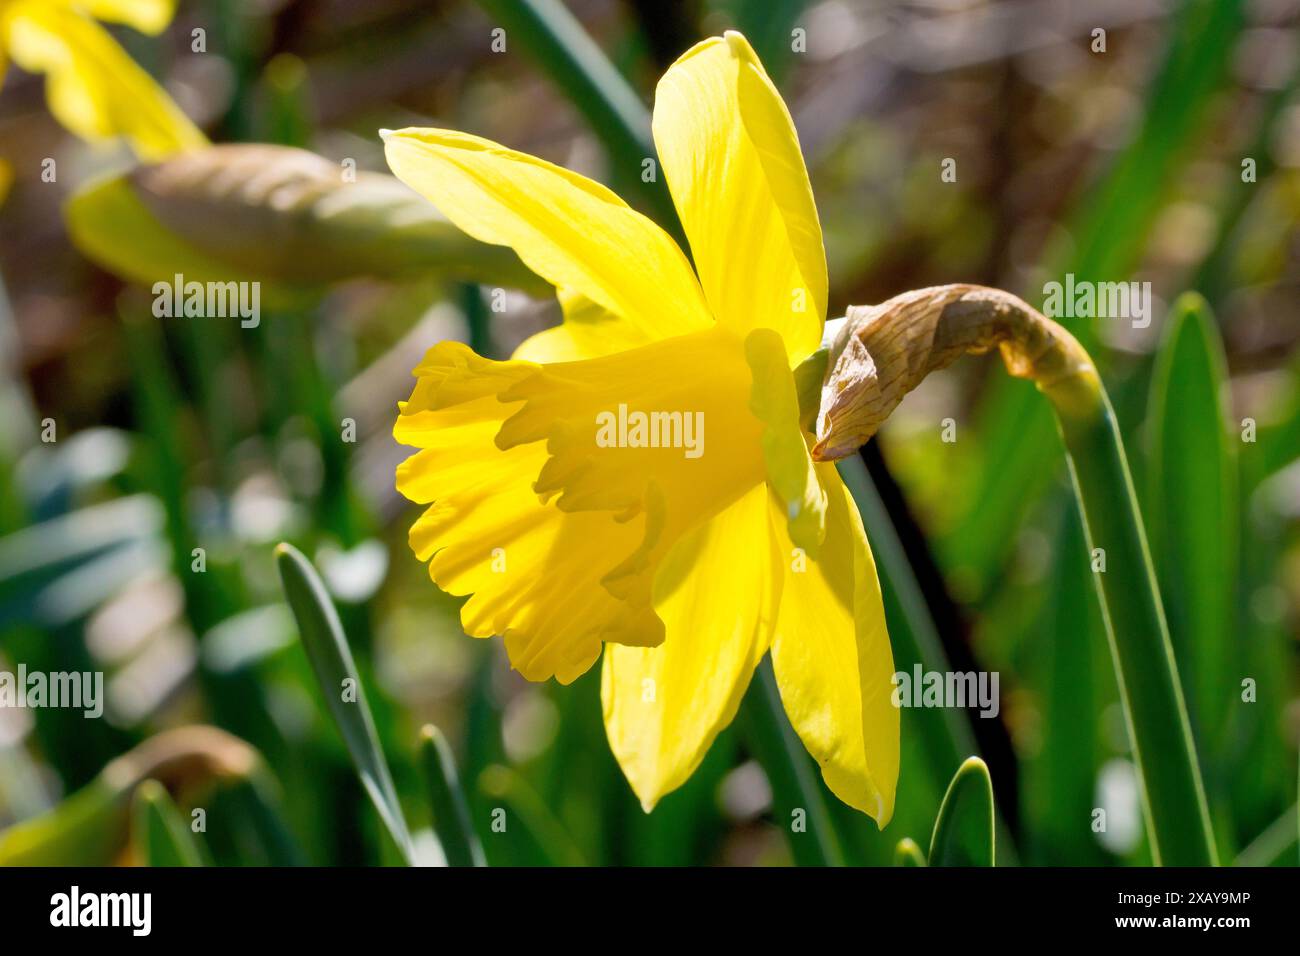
(882, 352)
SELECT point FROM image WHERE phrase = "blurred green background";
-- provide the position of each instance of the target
(1172, 156)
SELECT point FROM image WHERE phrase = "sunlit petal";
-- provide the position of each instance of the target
(572, 232)
(832, 658)
(717, 593)
(93, 87)
(732, 161)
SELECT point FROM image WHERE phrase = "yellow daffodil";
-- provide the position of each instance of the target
(93, 87)
(637, 478)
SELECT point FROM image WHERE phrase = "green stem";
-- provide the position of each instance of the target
(884, 351)
(1173, 796)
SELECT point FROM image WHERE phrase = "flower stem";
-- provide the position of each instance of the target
(1173, 795)
(884, 351)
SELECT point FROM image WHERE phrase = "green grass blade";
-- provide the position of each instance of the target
(1277, 845)
(963, 831)
(1193, 508)
(616, 114)
(796, 785)
(1109, 229)
(908, 853)
(89, 828)
(345, 697)
(519, 806)
(259, 831)
(35, 559)
(161, 836)
(768, 25)
(945, 734)
(451, 819)
(1059, 781)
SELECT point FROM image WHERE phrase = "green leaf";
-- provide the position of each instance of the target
(963, 831)
(944, 734)
(450, 811)
(907, 853)
(1072, 681)
(1108, 229)
(570, 57)
(35, 560)
(283, 217)
(345, 697)
(259, 831)
(1277, 845)
(767, 25)
(1193, 511)
(161, 836)
(796, 785)
(523, 808)
(90, 827)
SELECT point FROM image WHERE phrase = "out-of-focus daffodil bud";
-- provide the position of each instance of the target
(285, 217)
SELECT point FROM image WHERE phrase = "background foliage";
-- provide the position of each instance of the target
(180, 434)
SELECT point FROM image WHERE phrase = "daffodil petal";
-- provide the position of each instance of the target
(716, 592)
(732, 161)
(588, 331)
(147, 16)
(571, 231)
(93, 87)
(775, 402)
(833, 663)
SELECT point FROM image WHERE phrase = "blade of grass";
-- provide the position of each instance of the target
(1276, 846)
(91, 827)
(944, 732)
(160, 835)
(963, 831)
(451, 819)
(345, 697)
(795, 784)
(907, 853)
(1193, 496)
(1059, 781)
(573, 61)
(259, 832)
(1108, 228)
(527, 810)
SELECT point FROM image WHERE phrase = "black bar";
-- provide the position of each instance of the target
(219, 907)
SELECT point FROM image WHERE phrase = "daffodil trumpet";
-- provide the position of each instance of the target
(882, 352)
